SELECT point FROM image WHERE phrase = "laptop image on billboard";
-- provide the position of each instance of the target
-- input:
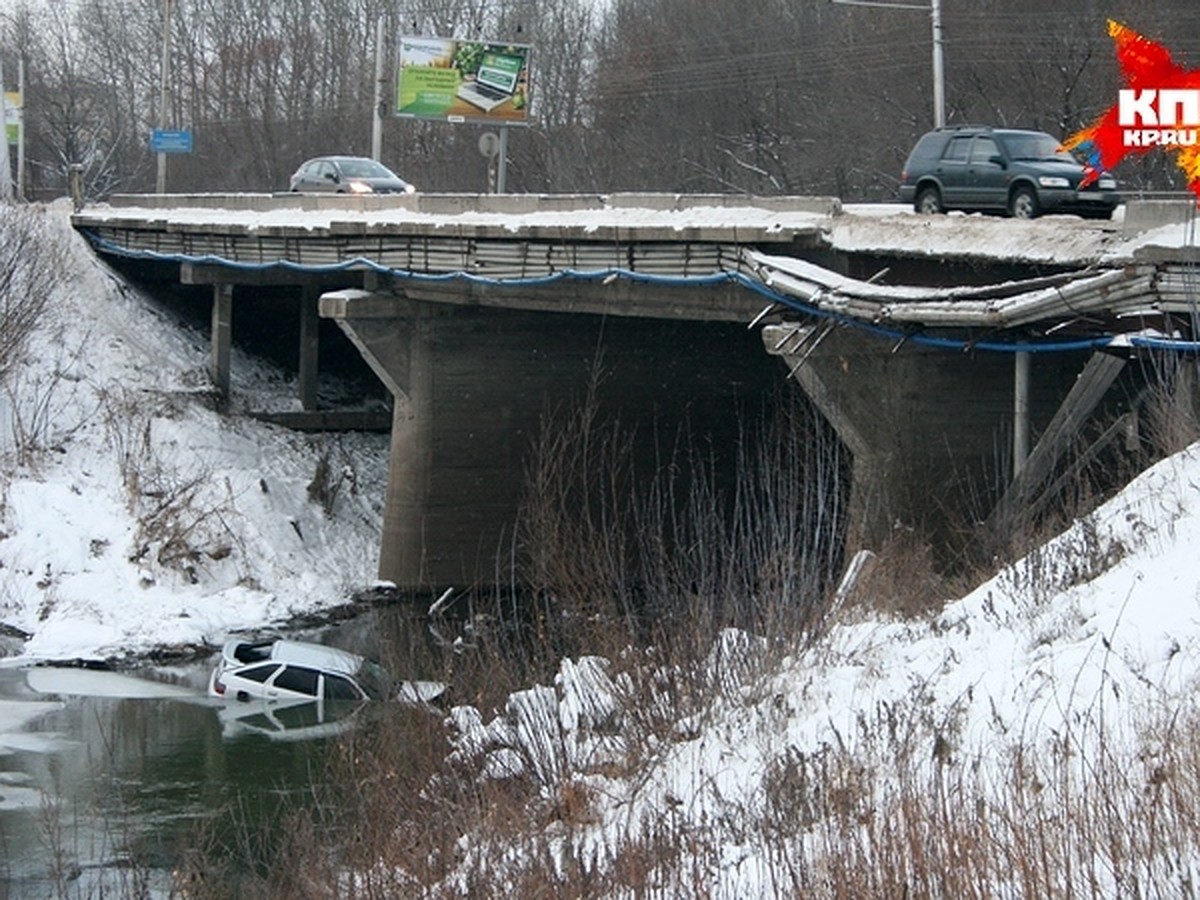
(494, 82)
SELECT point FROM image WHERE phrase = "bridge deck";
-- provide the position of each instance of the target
(497, 248)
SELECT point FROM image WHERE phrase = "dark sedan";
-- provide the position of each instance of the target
(348, 175)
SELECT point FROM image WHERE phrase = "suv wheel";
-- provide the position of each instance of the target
(1024, 203)
(928, 202)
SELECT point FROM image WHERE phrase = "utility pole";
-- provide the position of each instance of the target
(161, 183)
(377, 121)
(21, 130)
(935, 14)
(939, 76)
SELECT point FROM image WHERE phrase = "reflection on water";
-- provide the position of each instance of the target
(107, 778)
(92, 783)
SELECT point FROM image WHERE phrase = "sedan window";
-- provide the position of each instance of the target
(259, 673)
(298, 679)
(339, 688)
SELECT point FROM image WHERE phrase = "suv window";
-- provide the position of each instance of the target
(298, 679)
(983, 150)
(956, 150)
(1033, 146)
(929, 146)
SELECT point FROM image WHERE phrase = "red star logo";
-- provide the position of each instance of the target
(1146, 66)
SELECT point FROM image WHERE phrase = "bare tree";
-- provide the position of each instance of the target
(30, 271)
(779, 96)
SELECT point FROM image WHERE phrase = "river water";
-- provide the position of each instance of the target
(106, 778)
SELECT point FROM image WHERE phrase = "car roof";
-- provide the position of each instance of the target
(340, 159)
(985, 129)
(317, 655)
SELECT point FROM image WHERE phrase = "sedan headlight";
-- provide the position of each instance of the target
(1107, 184)
(1053, 181)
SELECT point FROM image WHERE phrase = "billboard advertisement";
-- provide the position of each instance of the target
(12, 115)
(463, 81)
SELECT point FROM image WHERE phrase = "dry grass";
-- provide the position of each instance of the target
(898, 809)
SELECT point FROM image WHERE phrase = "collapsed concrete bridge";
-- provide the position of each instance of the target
(956, 358)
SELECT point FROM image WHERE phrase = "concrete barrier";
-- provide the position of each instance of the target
(457, 204)
(1146, 215)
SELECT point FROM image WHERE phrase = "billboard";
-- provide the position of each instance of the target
(463, 81)
(12, 116)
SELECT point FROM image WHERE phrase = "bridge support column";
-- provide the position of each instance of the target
(930, 430)
(222, 337)
(407, 346)
(309, 346)
(308, 287)
(1020, 412)
(472, 386)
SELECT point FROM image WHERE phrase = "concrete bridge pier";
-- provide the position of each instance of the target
(396, 340)
(471, 386)
(308, 290)
(932, 431)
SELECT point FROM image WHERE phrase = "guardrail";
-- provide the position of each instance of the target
(451, 204)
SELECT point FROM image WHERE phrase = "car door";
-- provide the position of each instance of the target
(986, 181)
(336, 687)
(309, 177)
(952, 170)
(252, 681)
(298, 682)
(328, 177)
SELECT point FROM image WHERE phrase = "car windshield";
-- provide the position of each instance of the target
(1034, 146)
(364, 168)
(375, 680)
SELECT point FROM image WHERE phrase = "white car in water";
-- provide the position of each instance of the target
(293, 671)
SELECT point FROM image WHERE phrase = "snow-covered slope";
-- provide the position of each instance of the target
(133, 515)
(1065, 658)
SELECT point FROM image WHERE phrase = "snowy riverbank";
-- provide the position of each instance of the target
(135, 516)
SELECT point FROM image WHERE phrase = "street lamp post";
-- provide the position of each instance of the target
(377, 114)
(934, 8)
(164, 94)
(6, 186)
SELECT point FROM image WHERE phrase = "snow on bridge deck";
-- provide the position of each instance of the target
(1122, 266)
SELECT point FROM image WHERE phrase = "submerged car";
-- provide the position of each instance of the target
(290, 671)
(293, 670)
(1019, 172)
(348, 175)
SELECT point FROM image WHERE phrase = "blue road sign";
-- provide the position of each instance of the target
(162, 141)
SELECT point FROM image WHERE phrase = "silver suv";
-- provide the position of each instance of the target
(1008, 170)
